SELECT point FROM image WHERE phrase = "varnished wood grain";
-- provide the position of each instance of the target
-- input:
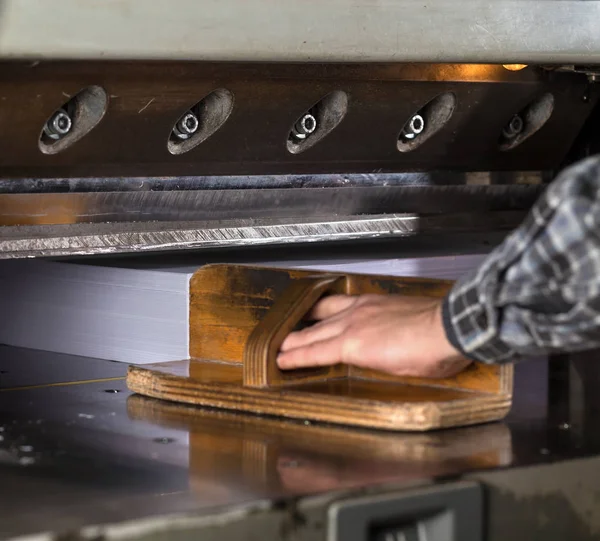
(476, 377)
(364, 403)
(264, 342)
(229, 303)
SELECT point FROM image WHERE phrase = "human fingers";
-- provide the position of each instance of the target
(323, 353)
(332, 305)
(322, 330)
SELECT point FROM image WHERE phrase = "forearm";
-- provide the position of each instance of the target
(539, 291)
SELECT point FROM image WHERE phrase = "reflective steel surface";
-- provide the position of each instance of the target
(61, 217)
(262, 204)
(252, 182)
(77, 448)
(139, 237)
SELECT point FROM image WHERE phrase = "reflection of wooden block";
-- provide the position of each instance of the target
(233, 451)
(240, 315)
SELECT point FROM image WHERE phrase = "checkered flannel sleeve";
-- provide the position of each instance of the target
(539, 291)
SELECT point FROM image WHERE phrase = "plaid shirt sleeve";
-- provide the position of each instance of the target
(539, 291)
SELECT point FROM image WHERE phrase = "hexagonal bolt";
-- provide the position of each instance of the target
(59, 125)
(186, 126)
(305, 126)
(414, 127)
(514, 127)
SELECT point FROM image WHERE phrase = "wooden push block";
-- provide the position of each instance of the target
(240, 315)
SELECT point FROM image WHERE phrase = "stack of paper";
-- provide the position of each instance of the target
(138, 313)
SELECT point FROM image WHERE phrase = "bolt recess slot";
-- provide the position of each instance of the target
(200, 121)
(320, 120)
(73, 120)
(426, 122)
(524, 124)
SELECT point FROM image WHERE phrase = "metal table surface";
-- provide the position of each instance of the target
(76, 448)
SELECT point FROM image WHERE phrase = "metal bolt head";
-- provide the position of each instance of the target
(514, 127)
(305, 126)
(308, 124)
(416, 124)
(186, 126)
(59, 125)
(414, 127)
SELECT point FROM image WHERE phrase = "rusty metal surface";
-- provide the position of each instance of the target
(146, 99)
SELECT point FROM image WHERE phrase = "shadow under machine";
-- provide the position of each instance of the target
(237, 132)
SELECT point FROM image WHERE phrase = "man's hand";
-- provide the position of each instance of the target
(403, 336)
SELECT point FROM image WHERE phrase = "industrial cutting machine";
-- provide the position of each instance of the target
(233, 132)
